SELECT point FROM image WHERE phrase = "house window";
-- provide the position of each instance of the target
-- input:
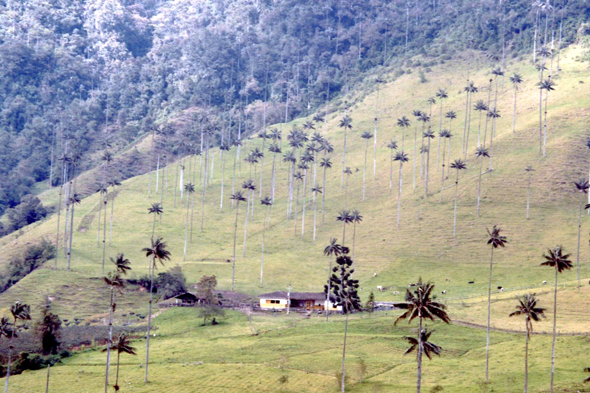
(273, 301)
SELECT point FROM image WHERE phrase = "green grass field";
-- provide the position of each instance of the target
(423, 246)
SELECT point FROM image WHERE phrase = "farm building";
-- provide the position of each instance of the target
(302, 300)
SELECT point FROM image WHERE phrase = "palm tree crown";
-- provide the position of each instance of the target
(556, 259)
(420, 304)
(527, 306)
(496, 240)
(428, 348)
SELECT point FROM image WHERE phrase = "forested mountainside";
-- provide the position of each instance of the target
(79, 78)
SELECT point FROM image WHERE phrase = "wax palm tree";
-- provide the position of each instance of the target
(347, 171)
(424, 118)
(392, 145)
(237, 197)
(547, 85)
(305, 160)
(345, 291)
(73, 201)
(274, 149)
(458, 165)
(264, 136)
(298, 177)
(403, 123)
(442, 95)
(480, 153)
(157, 252)
(515, 79)
(19, 311)
(495, 240)
(115, 283)
(346, 124)
(223, 148)
(496, 72)
(401, 157)
(422, 345)
(493, 114)
(451, 115)
(444, 135)
(250, 187)
(582, 186)
(556, 259)
(471, 89)
(102, 190)
(366, 136)
(156, 209)
(326, 164)
(113, 183)
(190, 189)
(528, 307)
(420, 304)
(318, 118)
(121, 345)
(356, 218)
(480, 106)
(335, 249)
(528, 169)
(315, 191)
(289, 157)
(266, 201)
(345, 218)
(418, 115)
(428, 135)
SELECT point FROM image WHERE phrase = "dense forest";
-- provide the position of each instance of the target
(83, 76)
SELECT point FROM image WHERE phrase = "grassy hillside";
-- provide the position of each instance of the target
(422, 246)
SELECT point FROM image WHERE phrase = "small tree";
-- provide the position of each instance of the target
(370, 305)
(209, 302)
(345, 292)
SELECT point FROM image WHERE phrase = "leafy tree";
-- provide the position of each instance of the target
(458, 165)
(421, 305)
(335, 249)
(156, 252)
(209, 303)
(47, 329)
(29, 210)
(556, 259)
(495, 240)
(237, 197)
(528, 307)
(344, 288)
(582, 186)
(370, 305)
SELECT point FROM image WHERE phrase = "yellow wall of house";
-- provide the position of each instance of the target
(268, 304)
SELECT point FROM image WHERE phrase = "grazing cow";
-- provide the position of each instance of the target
(471, 282)
(379, 288)
(412, 285)
(448, 280)
(501, 289)
(374, 274)
(544, 283)
(395, 292)
(444, 292)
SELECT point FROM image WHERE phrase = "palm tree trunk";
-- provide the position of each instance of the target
(100, 203)
(233, 181)
(455, 209)
(545, 125)
(272, 185)
(112, 215)
(468, 125)
(479, 186)
(204, 186)
(514, 112)
(8, 369)
(419, 356)
(149, 326)
(399, 197)
(342, 383)
(442, 177)
(303, 205)
(246, 227)
(466, 117)
(541, 114)
(492, 142)
(391, 171)
(222, 179)
(176, 182)
(315, 214)
(329, 290)
(375, 143)
(427, 168)
(489, 314)
(365, 170)
(157, 174)
(479, 130)
(57, 231)
(439, 131)
(526, 360)
(118, 362)
(415, 157)
(262, 260)
(554, 331)
(233, 268)
(485, 132)
(296, 207)
(353, 238)
(528, 196)
(106, 379)
(188, 200)
(324, 195)
(104, 234)
(579, 235)
(47, 380)
(71, 235)
(261, 167)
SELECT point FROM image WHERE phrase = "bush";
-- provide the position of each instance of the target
(33, 257)
(422, 77)
(29, 210)
(168, 284)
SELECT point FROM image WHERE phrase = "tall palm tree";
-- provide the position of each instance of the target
(442, 95)
(315, 191)
(497, 72)
(266, 201)
(156, 209)
(528, 169)
(335, 249)
(121, 345)
(428, 135)
(190, 189)
(480, 153)
(528, 307)
(346, 124)
(275, 149)
(424, 118)
(493, 114)
(451, 115)
(392, 145)
(366, 136)
(157, 252)
(347, 171)
(237, 197)
(403, 123)
(356, 218)
(582, 186)
(418, 115)
(326, 164)
(458, 165)
(250, 187)
(515, 79)
(74, 200)
(422, 305)
(422, 345)
(401, 157)
(223, 148)
(471, 89)
(113, 183)
(480, 106)
(115, 283)
(345, 218)
(289, 157)
(298, 177)
(18, 311)
(345, 291)
(560, 262)
(547, 85)
(495, 240)
(264, 136)
(101, 190)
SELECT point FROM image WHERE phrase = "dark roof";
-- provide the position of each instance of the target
(294, 295)
(186, 295)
